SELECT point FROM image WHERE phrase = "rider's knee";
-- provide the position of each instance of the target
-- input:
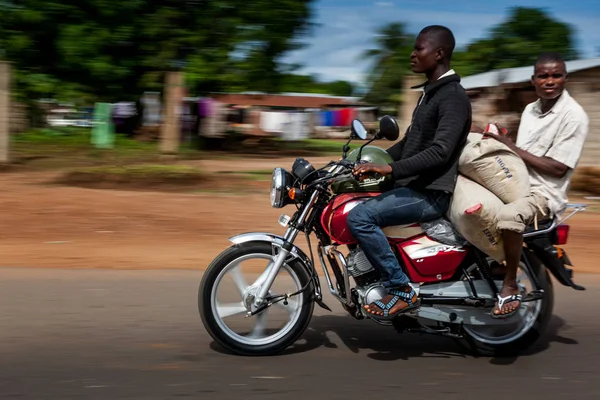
(357, 216)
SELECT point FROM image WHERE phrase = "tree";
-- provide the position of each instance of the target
(390, 64)
(115, 49)
(517, 42)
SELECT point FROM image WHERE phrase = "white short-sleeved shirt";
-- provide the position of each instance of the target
(558, 134)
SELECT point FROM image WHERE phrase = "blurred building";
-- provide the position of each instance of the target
(282, 114)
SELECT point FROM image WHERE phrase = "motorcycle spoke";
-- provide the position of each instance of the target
(259, 328)
(230, 309)
(238, 278)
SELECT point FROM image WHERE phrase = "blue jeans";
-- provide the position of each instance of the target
(397, 207)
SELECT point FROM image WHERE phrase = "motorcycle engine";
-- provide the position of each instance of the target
(367, 278)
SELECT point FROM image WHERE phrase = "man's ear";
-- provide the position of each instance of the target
(440, 54)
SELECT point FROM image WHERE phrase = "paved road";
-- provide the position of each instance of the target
(136, 335)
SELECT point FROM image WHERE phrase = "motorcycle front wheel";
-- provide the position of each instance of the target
(260, 339)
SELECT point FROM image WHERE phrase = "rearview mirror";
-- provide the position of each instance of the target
(358, 129)
(388, 128)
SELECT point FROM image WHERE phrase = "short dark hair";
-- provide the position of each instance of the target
(442, 37)
(549, 57)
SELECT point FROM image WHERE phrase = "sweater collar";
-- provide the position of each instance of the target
(444, 79)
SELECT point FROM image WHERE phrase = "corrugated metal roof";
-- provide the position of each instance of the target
(519, 75)
(293, 94)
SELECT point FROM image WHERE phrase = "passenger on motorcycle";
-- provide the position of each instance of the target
(550, 141)
(425, 167)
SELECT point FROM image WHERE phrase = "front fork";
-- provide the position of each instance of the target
(264, 282)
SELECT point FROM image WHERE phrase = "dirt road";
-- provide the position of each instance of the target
(47, 225)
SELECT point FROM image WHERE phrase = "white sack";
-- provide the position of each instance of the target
(473, 211)
(494, 166)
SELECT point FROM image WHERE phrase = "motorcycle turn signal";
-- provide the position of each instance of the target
(296, 194)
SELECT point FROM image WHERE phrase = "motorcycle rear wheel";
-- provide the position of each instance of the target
(302, 304)
(533, 328)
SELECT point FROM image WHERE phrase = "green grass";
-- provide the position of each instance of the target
(255, 175)
(71, 147)
(70, 137)
(143, 170)
(322, 146)
(59, 148)
(134, 174)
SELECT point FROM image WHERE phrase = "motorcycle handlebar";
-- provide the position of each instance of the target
(349, 165)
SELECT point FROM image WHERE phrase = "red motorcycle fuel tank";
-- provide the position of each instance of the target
(335, 214)
(333, 218)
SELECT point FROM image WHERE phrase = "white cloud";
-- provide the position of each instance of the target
(334, 49)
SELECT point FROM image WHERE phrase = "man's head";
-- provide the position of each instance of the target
(433, 46)
(549, 76)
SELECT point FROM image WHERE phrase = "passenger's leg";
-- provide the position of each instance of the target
(512, 221)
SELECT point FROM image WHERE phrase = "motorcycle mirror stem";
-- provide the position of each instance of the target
(346, 147)
(375, 136)
(357, 131)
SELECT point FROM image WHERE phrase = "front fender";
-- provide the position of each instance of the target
(276, 240)
(296, 252)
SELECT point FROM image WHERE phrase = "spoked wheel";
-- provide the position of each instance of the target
(224, 308)
(519, 331)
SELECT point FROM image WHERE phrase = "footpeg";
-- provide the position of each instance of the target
(533, 296)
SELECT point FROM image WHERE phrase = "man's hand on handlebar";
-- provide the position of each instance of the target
(362, 171)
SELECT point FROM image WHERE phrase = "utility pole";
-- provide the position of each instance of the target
(410, 98)
(4, 113)
(170, 131)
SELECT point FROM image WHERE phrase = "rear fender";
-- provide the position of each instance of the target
(549, 256)
(296, 253)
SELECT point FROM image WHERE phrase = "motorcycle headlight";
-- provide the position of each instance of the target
(281, 182)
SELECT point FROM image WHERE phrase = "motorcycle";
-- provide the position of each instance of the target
(456, 283)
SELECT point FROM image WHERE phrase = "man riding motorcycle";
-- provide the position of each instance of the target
(425, 167)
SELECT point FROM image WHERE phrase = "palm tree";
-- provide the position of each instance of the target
(390, 63)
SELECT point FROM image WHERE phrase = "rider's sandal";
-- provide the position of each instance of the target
(398, 295)
(504, 300)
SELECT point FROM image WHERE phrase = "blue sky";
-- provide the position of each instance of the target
(347, 27)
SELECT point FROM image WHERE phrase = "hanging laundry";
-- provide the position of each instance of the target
(337, 118)
(202, 108)
(345, 117)
(352, 115)
(214, 125)
(328, 118)
(151, 108)
(297, 127)
(272, 121)
(318, 118)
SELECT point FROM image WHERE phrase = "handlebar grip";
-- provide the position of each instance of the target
(374, 175)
